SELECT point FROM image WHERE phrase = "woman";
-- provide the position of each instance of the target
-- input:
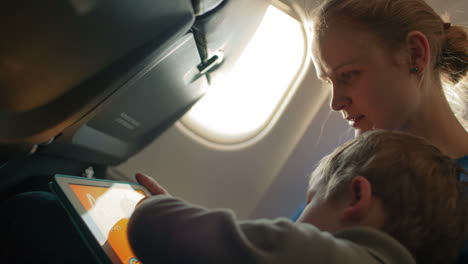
(386, 62)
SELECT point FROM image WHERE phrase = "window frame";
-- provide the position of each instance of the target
(214, 141)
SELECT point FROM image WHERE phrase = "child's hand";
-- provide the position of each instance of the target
(151, 184)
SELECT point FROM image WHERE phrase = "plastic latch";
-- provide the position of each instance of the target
(208, 65)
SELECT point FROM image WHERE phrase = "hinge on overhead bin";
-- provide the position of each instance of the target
(201, 7)
(88, 173)
(13, 151)
(211, 63)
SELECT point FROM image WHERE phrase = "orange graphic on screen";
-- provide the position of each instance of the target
(119, 242)
(88, 194)
(117, 235)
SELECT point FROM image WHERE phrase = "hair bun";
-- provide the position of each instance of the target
(454, 57)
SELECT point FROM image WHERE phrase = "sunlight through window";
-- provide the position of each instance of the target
(241, 104)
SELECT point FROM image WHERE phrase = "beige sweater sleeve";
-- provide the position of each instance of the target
(168, 230)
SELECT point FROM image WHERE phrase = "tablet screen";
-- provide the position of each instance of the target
(107, 210)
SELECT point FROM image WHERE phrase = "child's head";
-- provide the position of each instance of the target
(397, 183)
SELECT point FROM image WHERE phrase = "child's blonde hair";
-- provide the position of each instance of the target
(419, 187)
(391, 21)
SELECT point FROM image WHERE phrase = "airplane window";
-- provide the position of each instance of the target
(246, 102)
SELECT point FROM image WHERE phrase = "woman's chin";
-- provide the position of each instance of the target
(362, 129)
(358, 131)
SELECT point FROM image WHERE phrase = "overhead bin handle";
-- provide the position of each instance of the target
(211, 63)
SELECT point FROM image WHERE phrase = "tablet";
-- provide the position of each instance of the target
(100, 209)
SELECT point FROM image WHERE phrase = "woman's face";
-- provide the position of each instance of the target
(371, 87)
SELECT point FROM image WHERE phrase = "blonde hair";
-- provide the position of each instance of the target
(423, 199)
(392, 20)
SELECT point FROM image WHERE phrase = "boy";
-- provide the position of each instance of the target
(384, 197)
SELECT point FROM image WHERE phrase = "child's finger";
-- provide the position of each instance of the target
(151, 184)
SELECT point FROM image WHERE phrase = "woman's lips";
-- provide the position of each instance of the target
(355, 121)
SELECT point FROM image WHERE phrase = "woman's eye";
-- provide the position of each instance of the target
(346, 77)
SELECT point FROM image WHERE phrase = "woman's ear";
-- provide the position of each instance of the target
(419, 51)
(360, 201)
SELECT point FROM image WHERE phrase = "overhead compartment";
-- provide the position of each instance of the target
(62, 61)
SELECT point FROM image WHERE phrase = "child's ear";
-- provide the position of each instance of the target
(360, 200)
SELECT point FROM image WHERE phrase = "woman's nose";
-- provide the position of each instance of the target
(339, 101)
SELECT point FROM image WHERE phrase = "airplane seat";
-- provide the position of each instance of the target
(90, 83)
